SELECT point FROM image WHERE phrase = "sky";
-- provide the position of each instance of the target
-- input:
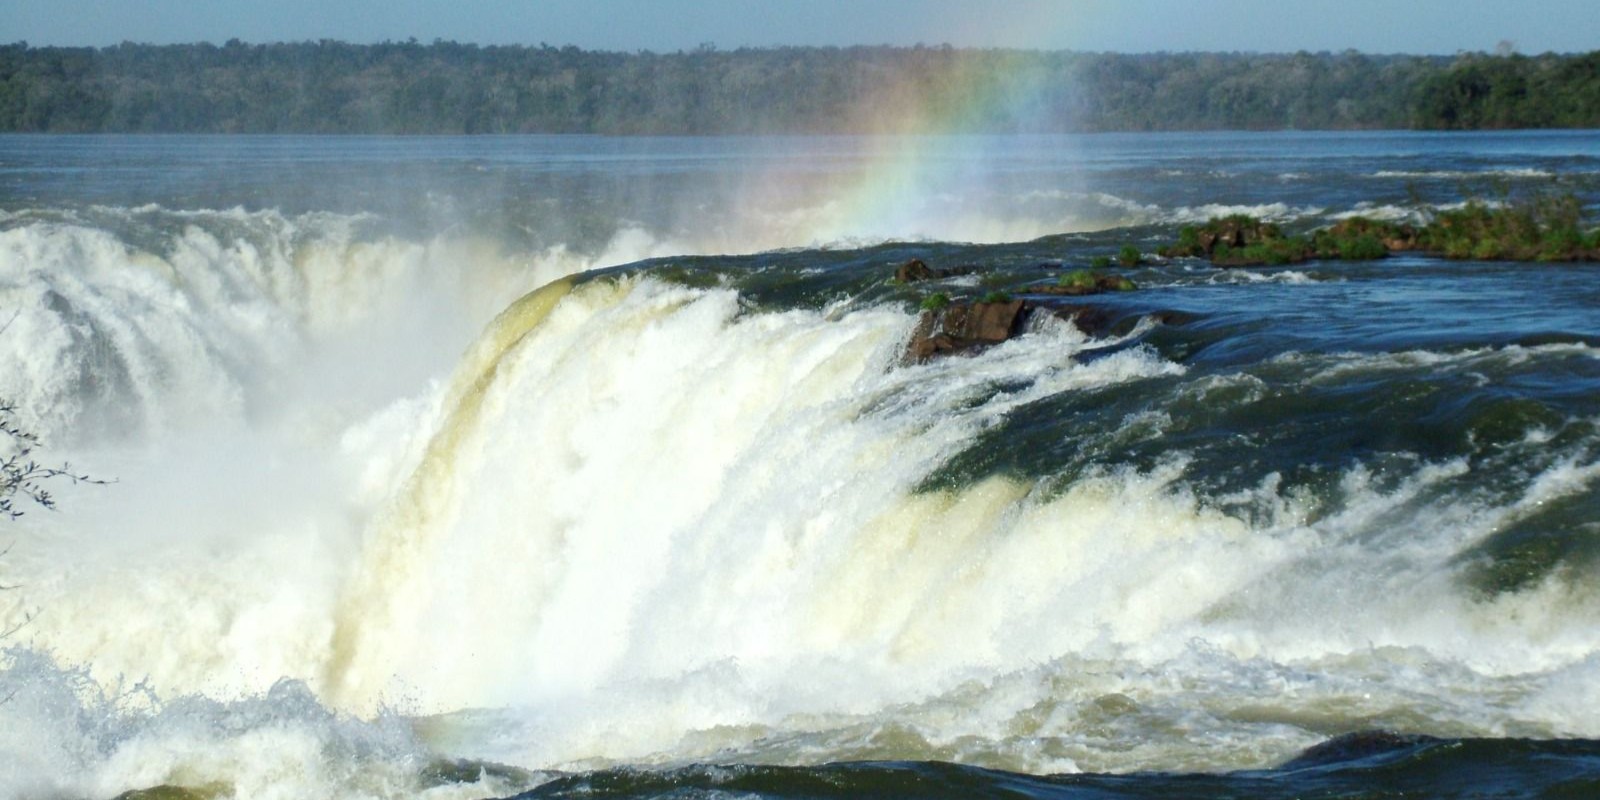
(1373, 26)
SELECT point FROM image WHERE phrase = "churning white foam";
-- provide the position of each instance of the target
(144, 320)
(646, 523)
(1274, 212)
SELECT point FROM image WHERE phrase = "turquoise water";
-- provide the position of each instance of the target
(685, 522)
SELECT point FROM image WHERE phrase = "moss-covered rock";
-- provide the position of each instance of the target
(1129, 256)
(1362, 239)
(1236, 233)
(1544, 230)
(1269, 253)
(1084, 281)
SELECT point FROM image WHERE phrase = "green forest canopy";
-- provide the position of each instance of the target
(450, 88)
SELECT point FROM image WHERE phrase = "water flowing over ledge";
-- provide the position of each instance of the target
(438, 512)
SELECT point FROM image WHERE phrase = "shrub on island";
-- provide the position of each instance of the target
(1238, 240)
(1086, 281)
(1542, 229)
(1545, 229)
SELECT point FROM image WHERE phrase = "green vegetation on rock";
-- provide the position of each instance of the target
(1544, 228)
(1129, 256)
(1239, 240)
(1084, 281)
(1362, 239)
(1078, 279)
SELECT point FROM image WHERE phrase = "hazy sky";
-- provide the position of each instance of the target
(1380, 26)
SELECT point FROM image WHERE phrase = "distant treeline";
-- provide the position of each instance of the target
(445, 87)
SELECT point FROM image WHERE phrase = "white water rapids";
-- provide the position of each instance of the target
(639, 523)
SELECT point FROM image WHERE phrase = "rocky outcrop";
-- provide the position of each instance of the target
(965, 328)
(969, 328)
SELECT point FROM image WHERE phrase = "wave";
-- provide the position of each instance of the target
(1125, 212)
(1272, 212)
(1529, 173)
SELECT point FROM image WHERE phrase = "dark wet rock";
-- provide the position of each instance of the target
(1100, 321)
(1358, 746)
(965, 328)
(917, 270)
(970, 327)
(986, 322)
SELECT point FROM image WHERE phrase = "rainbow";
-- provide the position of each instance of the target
(916, 133)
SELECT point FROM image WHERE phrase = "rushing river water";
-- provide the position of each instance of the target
(580, 466)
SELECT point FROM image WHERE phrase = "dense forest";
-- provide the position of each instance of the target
(450, 88)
